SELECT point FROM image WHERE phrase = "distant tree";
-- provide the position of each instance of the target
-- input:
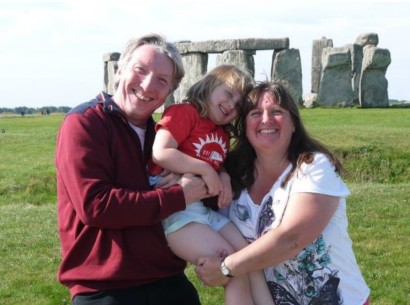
(6, 110)
(41, 110)
(20, 110)
(63, 109)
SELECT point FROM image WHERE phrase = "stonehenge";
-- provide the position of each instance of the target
(351, 75)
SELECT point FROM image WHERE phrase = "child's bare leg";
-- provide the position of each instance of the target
(260, 291)
(259, 288)
(196, 240)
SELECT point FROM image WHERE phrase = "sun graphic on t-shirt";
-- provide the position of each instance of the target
(212, 148)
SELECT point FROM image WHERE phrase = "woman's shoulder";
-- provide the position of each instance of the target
(320, 158)
(320, 176)
(320, 162)
(315, 158)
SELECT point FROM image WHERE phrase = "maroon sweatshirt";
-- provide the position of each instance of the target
(109, 219)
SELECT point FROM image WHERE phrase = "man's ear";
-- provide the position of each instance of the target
(117, 76)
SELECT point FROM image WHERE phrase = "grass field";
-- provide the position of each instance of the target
(374, 145)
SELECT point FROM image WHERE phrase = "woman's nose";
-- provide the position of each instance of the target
(265, 117)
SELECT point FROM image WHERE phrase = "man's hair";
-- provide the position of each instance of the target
(165, 47)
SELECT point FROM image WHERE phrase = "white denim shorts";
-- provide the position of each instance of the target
(194, 212)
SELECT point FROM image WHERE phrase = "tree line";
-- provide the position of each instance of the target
(41, 110)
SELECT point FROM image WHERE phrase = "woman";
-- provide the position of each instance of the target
(290, 205)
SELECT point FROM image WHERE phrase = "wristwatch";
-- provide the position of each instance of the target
(225, 270)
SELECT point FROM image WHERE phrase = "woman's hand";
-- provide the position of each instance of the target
(208, 270)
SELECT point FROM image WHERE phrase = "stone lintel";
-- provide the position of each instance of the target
(220, 46)
(112, 56)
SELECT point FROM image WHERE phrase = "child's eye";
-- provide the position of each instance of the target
(228, 93)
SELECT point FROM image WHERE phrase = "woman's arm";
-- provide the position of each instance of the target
(305, 218)
(165, 153)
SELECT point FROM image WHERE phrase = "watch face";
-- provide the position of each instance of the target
(225, 271)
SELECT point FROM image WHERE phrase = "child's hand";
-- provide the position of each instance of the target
(167, 179)
(212, 181)
(225, 195)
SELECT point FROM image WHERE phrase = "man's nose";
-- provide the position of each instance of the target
(147, 82)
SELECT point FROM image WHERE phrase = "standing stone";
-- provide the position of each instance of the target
(240, 58)
(336, 87)
(195, 65)
(287, 70)
(310, 100)
(356, 52)
(318, 46)
(373, 83)
(110, 68)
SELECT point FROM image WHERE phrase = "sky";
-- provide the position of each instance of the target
(52, 50)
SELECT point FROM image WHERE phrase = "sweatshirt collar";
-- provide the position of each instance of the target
(110, 106)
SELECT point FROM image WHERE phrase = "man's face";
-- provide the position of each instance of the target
(144, 84)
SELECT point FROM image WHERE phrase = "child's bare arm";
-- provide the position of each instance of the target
(165, 153)
(225, 195)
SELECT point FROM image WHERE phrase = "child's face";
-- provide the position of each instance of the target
(223, 105)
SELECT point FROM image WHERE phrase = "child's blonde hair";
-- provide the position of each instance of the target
(230, 75)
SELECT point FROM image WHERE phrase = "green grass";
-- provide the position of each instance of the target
(374, 145)
(29, 256)
(27, 159)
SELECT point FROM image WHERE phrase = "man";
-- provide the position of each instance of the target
(113, 246)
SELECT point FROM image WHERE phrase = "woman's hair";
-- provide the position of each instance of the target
(165, 47)
(240, 161)
(232, 76)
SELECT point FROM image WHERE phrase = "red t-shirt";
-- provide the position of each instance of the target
(197, 137)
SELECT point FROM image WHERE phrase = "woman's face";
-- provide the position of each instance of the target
(144, 84)
(269, 127)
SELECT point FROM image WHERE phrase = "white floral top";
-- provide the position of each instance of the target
(325, 272)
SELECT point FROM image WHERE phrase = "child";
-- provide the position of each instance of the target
(193, 137)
